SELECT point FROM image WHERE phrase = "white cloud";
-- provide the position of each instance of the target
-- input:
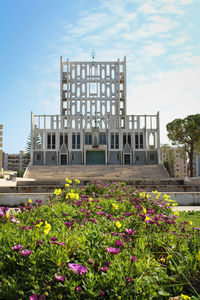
(153, 49)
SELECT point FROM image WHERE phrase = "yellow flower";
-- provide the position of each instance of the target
(147, 218)
(118, 224)
(191, 223)
(174, 204)
(115, 205)
(7, 216)
(142, 194)
(162, 260)
(198, 256)
(90, 199)
(185, 297)
(67, 185)
(77, 181)
(29, 201)
(144, 209)
(57, 192)
(47, 228)
(68, 181)
(39, 224)
(176, 213)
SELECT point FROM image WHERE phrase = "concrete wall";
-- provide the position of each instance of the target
(15, 199)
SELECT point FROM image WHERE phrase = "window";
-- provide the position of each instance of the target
(76, 141)
(139, 140)
(39, 156)
(88, 139)
(51, 140)
(152, 156)
(102, 138)
(126, 139)
(63, 139)
(114, 140)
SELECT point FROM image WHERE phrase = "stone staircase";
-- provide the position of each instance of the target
(95, 172)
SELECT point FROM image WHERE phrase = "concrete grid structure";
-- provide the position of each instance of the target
(93, 126)
(16, 162)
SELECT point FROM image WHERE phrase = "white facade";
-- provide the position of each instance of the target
(93, 127)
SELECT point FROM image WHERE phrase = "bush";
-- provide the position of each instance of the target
(101, 241)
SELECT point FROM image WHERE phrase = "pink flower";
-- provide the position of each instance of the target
(25, 253)
(54, 238)
(57, 243)
(78, 289)
(133, 258)
(34, 297)
(17, 247)
(129, 279)
(113, 250)
(12, 219)
(59, 278)
(104, 269)
(101, 294)
(77, 268)
(118, 243)
(130, 231)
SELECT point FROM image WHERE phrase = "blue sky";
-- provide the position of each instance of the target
(160, 38)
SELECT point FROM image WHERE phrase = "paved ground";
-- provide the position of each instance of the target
(187, 208)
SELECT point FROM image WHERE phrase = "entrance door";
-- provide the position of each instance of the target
(95, 158)
(127, 159)
(63, 159)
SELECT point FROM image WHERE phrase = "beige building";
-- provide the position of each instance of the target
(1, 145)
(93, 127)
(174, 159)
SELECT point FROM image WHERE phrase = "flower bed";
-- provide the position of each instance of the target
(101, 241)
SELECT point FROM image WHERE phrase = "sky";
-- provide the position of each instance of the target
(160, 39)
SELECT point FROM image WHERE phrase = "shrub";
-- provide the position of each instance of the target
(101, 241)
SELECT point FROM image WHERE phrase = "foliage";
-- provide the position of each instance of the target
(102, 241)
(186, 132)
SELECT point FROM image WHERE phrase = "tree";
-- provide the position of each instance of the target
(186, 132)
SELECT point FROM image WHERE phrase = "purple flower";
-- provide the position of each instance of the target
(104, 269)
(101, 294)
(17, 247)
(69, 224)
(118, 243)
(108, 264)
(196, 228)
(130, 231)
(100, 213)
(113, 250)
(25, 253)
(133, 258)
(77, 268)
(78, 289)
(34, 297)
(54, 238)
(57, 243)
(59, 278)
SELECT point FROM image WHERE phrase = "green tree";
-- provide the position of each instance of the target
(186, 132)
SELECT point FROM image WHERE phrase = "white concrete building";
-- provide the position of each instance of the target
(93, 126)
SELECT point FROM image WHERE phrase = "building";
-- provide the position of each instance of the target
(196, 165)
(16, 162)
(1, 145)
(93, 126)
(174, 159)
